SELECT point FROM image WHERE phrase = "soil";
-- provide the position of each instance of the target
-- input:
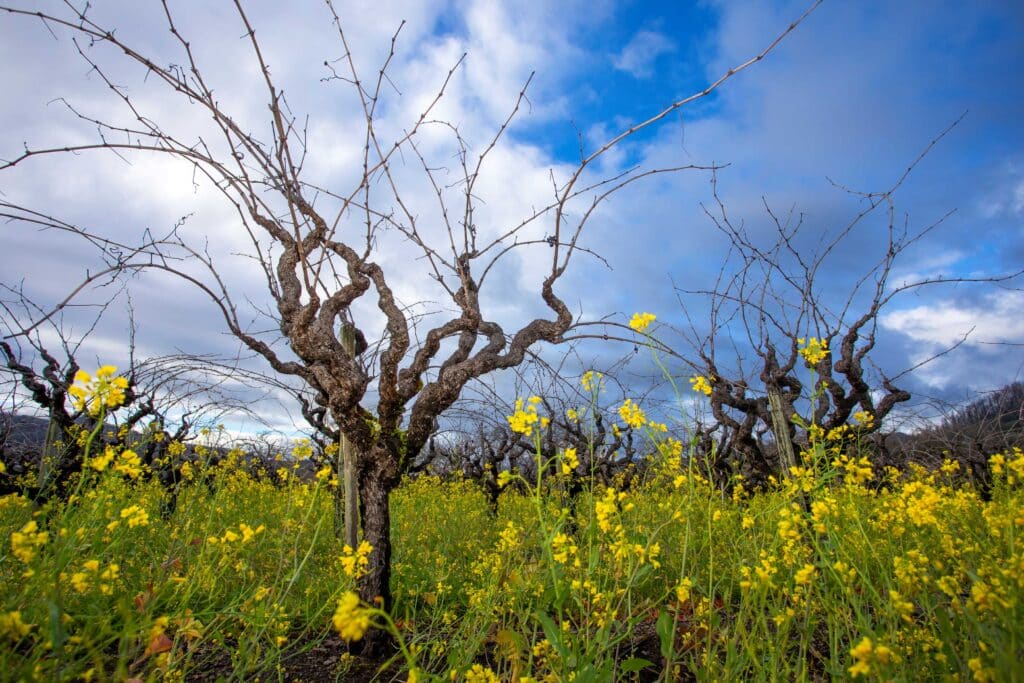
(318, 660)
(330, 659)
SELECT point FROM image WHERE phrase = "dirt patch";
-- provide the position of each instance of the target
(312, 661)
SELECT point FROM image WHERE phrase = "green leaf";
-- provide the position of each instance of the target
(666, 633)
(552, 633)
(634, 664)
(58, 635)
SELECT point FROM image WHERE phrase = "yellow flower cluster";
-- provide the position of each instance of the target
(569, 461)
(761, 574)
(903, 608)
(813, 350)
(864, 418)
(100, 462)
(591, 381)
(641, 321)
(684, 589)
(509, 538)
(524, 418)
(599, 603)
(1012, 467)
(980, 672)
(564, 547)
(805, 574)
(991, 592)
(97, 394)
(351, 619)
(922, 503)
(606, 508)
(701, 384)
(12, 627)
(82, 580)
(135, 516)
(355, 563)
(856, 471)
(302, 449)
(25, 542)
(245, 533)
(801, 479)
(866, 654)
(623, 550)
(481, 674)
(129, 464)
(632, 414)
(822, 510)
(790, 531)
(911, 570)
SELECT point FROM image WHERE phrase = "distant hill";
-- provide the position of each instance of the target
(970, 434)
(22, 431)
(1001, 410)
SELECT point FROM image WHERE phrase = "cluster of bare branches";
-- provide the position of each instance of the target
(771, 298)
(476, 441)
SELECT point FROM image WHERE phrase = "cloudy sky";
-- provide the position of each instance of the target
(851, 98)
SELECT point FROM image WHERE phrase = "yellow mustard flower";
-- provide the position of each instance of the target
(302, 449)
(562, 548)
(135, 516)
(632, 414)
(351, 619)
(866, 653)
(569, 461)
(701, 385)
(96, 394)
(25, 542)
(805, 574)
(100, 462)
(591, 381)
(355, 563)
(524, 417)
(129, 464)
(12, 627)
(641, 321)
(481, 674)
(80, 581)
(864, 418)
(813, 350)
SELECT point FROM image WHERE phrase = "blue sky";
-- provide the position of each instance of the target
(854, 95)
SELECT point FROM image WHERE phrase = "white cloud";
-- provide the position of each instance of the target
(994, 328)
(638, 56)
(999, 317)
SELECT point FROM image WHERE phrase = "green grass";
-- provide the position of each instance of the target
(821, 577)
